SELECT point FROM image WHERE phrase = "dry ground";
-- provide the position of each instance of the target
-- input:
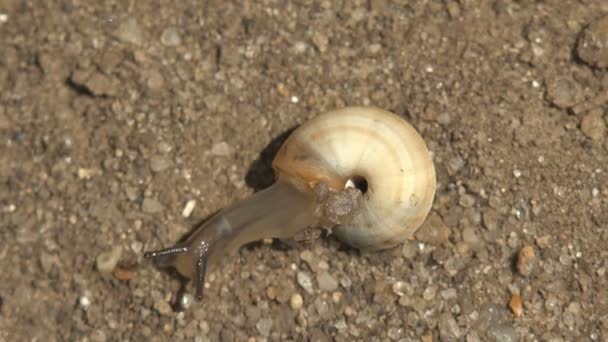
(115, 114)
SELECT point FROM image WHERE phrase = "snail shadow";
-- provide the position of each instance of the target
(260, 174)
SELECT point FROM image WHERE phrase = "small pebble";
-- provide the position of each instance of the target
(131, 193)
(409, 249)
(87, 173)
(305, 282)
(170, 37)
(516, 305)
(450, 293)
(320, 41)
(526, 260)
(399, 288)
(137, 246)
(433, 231)
(271, 293)
(322, 307)
(466, 200)
(130, 31)
(159, 163)
(151, 205)
(264, 326)
(455, 164)
(448, 328)
(564, 92)
(154, 79)
(552, 303)
(221, 149)
(346, 282)
(491, 315)
(164, 147)
(395, 333)
(296, 301)
(326, 282)
(189, 208)
(336, 297)
(84, 302)
(307, 257)
(98, 336)
(470, 237)
(162, 307)
(186, 301)
(444, 119)
(106, 261)
(594, 126)
(429, 293)
(591, 46)
(503, 332)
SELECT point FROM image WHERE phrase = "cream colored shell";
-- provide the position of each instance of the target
(371, 143)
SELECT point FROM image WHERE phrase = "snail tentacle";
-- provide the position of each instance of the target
(163, 256)
(201, 269)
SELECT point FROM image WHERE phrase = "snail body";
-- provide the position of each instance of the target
(362, 172)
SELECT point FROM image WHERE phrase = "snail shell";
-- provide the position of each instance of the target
(374, 150)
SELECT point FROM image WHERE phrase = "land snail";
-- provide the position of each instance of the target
(362, 172)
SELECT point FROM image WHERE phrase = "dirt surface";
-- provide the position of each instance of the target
(115, 116)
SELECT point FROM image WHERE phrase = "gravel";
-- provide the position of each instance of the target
(151, 206)
(594, 126)
(296, 301)
(564, 92)
(591, 46)
(106, 262)
(130, 31)
(305, 282)
(264, 326)
(159, 163)
(170, 37)
(326, 282)
(433, 231)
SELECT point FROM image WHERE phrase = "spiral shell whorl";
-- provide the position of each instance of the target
(378, 146)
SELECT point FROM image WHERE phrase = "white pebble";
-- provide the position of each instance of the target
(84, 302)
(186, 301)
(517, 173)
(188, 208)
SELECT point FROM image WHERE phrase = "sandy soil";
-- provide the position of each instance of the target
(115, 114)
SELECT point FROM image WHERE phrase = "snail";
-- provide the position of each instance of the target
(362, 172)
